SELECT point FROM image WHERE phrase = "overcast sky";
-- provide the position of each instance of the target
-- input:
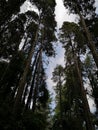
(61, 15)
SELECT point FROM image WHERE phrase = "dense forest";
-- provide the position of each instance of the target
(26, 41)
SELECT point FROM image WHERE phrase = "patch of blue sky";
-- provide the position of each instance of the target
(96, 5)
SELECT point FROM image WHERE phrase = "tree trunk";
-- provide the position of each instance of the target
(23, 78)
(37, 81)
(60, 98)
(89, 124)
(90, 42)
(25, 93)
(34, 98)
(32, 84)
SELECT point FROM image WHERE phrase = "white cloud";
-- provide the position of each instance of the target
(91, 104)
(28, 6)
(62, 14)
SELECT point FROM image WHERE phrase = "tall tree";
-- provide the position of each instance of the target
(20, 56)
(92, 75)
(85, 9)
(40, 41)
(58, 76)
(72, 36)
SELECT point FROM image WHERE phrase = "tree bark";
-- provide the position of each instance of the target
(60, 98)
(37, 81)
(89, 124)
(32, 84)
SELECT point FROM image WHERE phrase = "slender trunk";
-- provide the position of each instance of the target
(32, 84)
(31, 88)
(89, 124)
(78, 115)
(60, 104)
(90, 42)
(60, 99)
(61, 114)
(34, 98)
(37, 81)
(94, 85)
(25, 43)
(25, 93)
(23, 78)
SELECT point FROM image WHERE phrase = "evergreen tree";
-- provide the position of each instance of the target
(72, 37)
(22, 58)
(58, 76)
(41, 42)
(85, 9)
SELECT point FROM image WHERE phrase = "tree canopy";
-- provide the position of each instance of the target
(26, 39)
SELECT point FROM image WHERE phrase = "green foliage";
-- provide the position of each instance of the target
(58, 73)
(34, 121)
(71, 31)
(28, 120)
(19, 33)
(32, 30)
(92, 75)
(72, 108)
(84, 6)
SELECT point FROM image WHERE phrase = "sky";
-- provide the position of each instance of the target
(96, 4)
(61, 15)
(28, 6)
